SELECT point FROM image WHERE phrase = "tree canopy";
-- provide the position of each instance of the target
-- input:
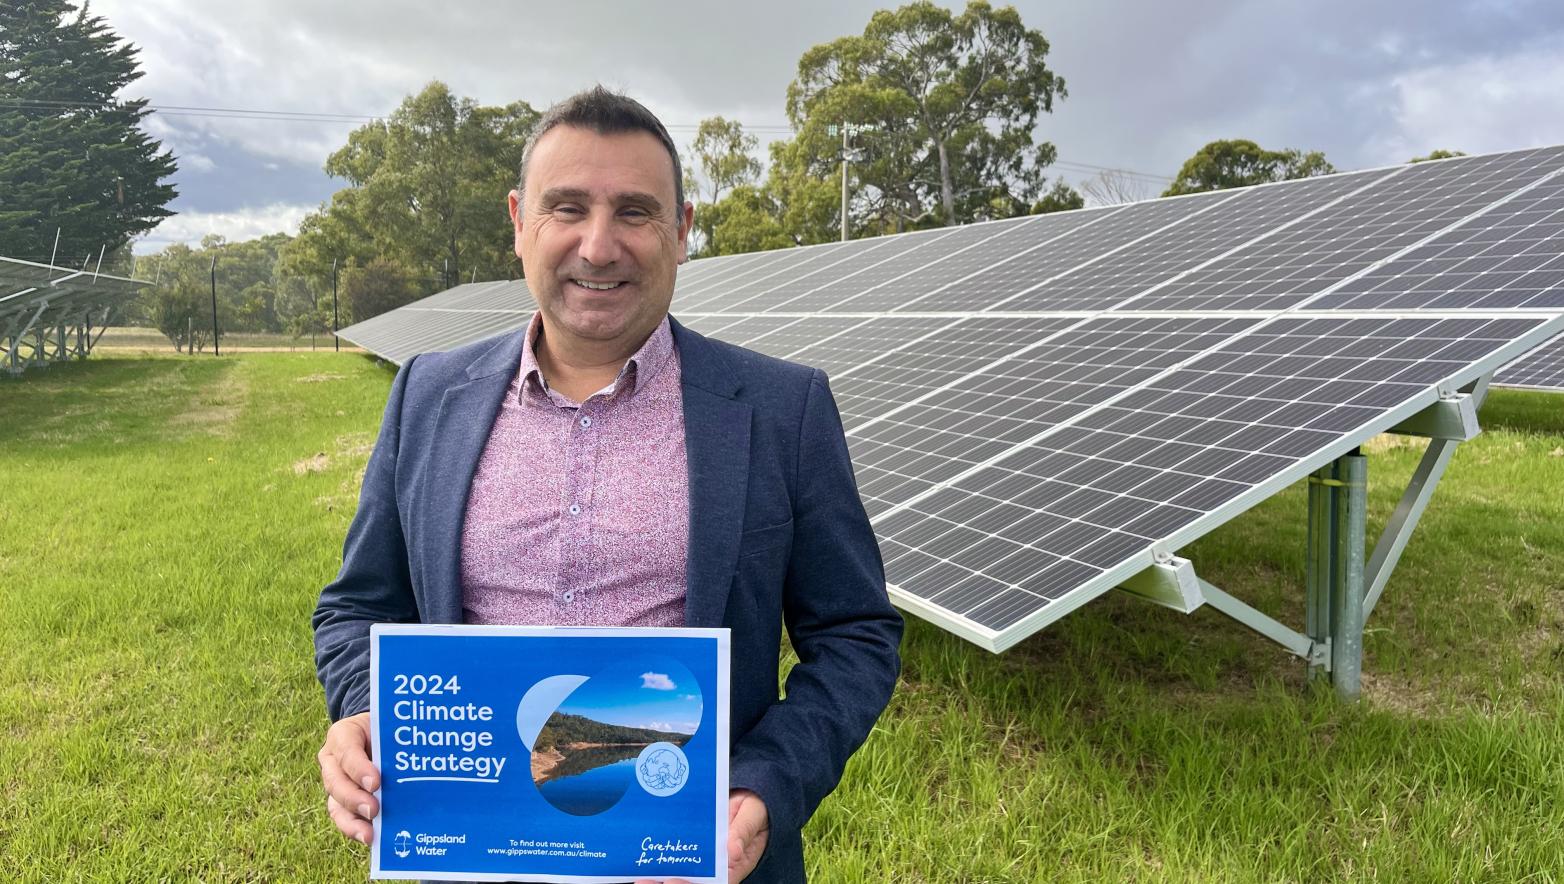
(426, 189)
(73, 158)
(1440, 154)
(723, 163)
(247, 289)
(1241, 163)
(951, 101)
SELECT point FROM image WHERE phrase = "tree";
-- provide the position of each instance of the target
(747, 220)
(381, 286)
(1241, 163)
(953, 100)
(1440, 154)
(1112, 187)
(73, 157)
(426, 189)
(247, 296)
(723, 157)
(180, 305)
(1060, 198)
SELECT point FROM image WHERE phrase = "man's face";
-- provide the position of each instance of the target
(599, 235)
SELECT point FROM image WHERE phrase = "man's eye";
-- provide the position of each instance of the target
(567, 210)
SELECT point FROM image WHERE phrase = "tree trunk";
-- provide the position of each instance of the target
(947, 196)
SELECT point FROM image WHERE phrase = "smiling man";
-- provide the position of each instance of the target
(608, 467)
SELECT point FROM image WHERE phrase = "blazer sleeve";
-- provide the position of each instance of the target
(842, 627)
(374, 585)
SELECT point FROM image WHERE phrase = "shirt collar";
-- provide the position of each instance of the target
(643, 365)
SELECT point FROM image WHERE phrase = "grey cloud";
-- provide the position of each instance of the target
(1149, 81)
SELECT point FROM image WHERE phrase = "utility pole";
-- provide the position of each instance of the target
(848, 156)
(336, 318)
(215, 350)
(845, 161)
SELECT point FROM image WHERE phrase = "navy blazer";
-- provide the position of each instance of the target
(777, 536)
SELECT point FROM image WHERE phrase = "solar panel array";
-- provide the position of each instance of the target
(42, 297)
(1037, 407)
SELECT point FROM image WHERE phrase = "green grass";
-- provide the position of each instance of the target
(168, 522)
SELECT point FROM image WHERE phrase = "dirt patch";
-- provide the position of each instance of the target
(214, 409)
(320, 377)
(317, 463)
(1400, 694)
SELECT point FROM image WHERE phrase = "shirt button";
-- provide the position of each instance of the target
(568, 596)
(586, 422)
(575, 509)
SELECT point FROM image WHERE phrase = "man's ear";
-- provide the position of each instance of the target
(686, 224)
(513, 203)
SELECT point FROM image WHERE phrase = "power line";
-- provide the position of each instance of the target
(228, 113)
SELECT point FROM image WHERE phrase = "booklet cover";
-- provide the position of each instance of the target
(550, 754)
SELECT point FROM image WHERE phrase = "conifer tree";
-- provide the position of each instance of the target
(72, 154)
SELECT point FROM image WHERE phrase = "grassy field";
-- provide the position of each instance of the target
(168, 522)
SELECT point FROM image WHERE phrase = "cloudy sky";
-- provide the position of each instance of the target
(1370, 82)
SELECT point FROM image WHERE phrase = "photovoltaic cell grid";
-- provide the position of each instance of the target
(913, 425)
(1394, 213)
(444, 320)
(1079, 510)
(1541, 369)
(1213, 225)
(1034, 405)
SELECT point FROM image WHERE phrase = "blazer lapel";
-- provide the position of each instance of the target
(716, 444)
(461, 431)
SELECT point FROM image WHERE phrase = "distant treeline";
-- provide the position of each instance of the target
(564, 729)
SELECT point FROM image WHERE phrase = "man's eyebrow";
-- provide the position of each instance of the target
(562, 194)
(648, 201)
(643, 199)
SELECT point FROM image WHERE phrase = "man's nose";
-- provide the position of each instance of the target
(600, 241)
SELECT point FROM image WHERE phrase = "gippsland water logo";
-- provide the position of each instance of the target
(403, 841)
(662, 769)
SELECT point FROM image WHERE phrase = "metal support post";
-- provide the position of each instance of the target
(1346, 649)
(1338, 505)
(336, 316)
(1318, 569)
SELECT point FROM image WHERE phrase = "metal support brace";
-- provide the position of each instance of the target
(1170, 582)
(1448, 423)
(1313, 651)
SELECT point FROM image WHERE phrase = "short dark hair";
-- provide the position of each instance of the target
(606, 113)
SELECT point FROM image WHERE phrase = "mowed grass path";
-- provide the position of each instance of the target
(167, 524)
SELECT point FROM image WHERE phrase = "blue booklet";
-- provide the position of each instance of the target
(550, 754)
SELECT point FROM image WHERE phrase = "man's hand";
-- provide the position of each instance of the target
(350, 777)
(749, 825)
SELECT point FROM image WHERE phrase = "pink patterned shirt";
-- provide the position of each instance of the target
(579, 511)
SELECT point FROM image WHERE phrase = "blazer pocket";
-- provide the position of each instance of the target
(761, 540)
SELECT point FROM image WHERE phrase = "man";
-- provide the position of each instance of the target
(609, 467)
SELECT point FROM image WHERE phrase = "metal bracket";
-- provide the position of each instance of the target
(1453, 418)
(1169, 582)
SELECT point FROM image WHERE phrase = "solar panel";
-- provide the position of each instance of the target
(1038, 407)
(444, 320)
(1541, 369)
